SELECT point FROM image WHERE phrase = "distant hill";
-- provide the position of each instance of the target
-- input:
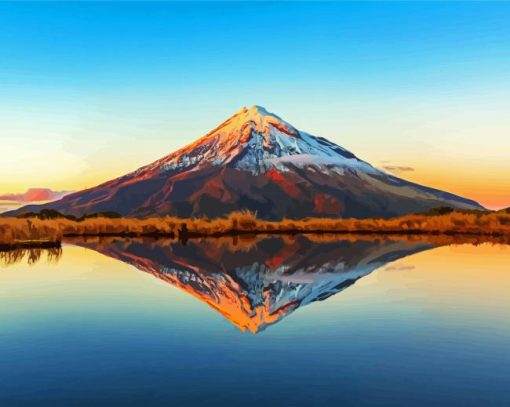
(257, 161)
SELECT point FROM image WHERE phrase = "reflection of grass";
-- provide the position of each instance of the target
(14, 231)
(246, 242)
(10, 257)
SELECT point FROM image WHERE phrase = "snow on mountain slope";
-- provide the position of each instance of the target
(255, 140)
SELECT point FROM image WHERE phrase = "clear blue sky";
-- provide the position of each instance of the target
(92, 90)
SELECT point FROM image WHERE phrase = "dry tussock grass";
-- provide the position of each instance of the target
(14, 230)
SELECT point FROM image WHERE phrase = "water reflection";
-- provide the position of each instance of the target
(31, 256)
(257, 282)
(94, 322)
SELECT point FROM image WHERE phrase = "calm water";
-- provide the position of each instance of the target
(274, 321)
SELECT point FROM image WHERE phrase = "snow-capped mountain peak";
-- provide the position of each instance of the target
(262, 121)
(256, 140)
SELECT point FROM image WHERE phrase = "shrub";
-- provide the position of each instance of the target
(441, 210)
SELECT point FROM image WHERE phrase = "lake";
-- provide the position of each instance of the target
(284, 321)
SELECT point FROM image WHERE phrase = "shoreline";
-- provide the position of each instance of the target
(49, 233)
(21, 245)
(48, 244)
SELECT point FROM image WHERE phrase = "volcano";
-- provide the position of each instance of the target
(257, 161)
(256, 283)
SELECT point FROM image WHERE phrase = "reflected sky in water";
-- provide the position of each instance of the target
(288, 321)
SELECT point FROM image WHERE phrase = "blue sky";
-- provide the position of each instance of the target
(89, 91)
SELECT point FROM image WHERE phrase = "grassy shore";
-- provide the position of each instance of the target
(31, 232)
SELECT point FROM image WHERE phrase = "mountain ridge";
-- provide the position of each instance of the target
(257, 161)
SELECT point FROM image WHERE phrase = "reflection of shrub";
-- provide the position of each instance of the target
(8, 258)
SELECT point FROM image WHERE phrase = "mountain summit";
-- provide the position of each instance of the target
(253, 140)
(255, 160)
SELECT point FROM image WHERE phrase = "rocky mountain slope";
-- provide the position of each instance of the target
(257, 161)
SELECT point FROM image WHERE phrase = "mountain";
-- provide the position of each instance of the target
(257, 161)
(255, 284)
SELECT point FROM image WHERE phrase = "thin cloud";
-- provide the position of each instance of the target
(398, 168)
(401, 267)
(35, 195)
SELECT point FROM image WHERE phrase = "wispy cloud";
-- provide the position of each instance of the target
(398, 168)
(399, 267)
(388, 165)
(35, 195)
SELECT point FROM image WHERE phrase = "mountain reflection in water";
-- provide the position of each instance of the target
(93, 330)
(257, 282)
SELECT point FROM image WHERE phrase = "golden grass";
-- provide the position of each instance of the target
(14, 230)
